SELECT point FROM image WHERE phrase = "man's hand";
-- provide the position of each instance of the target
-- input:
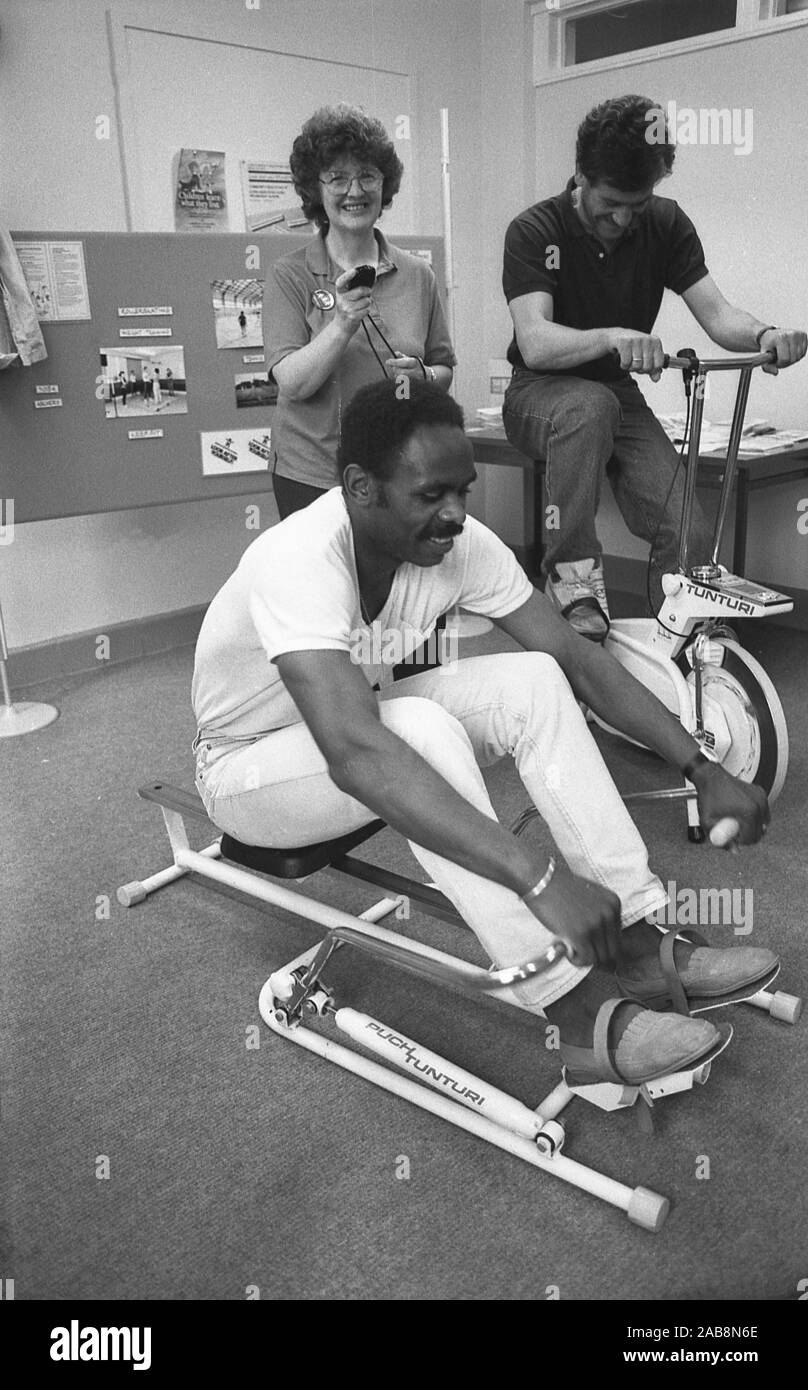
(638, 352)
(722, 796)
(583, 913)
(790, 344)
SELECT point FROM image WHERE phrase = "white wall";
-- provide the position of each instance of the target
(55, 175)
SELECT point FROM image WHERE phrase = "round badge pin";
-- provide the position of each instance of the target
(323, 299)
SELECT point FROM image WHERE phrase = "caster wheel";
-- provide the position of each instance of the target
(648, 1209)
(550, 1140)
(695, 834)
(281, 984)
(786, 1008)
(131, 893)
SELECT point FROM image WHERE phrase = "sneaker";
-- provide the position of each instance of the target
(578, 591)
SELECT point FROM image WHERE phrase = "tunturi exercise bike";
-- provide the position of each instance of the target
(686, 655)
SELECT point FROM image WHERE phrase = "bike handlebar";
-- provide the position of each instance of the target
(719, 364)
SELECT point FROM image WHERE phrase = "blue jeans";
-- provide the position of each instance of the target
(584, 429)
(278, 791)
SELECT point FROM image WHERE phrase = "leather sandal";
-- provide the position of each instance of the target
(727, 977)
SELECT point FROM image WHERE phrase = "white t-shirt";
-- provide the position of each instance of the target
(296, 589)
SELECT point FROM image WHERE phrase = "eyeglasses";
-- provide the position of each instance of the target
(341, 183)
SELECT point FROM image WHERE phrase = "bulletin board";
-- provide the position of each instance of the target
(72, 459)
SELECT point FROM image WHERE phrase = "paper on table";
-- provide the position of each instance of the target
(758, 437)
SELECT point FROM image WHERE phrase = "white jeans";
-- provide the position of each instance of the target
(277, 792)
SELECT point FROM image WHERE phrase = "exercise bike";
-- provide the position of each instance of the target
(687, 656)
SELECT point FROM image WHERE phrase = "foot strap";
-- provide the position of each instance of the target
(600, 1041)
(670, 973)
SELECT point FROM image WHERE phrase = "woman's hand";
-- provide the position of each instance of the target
(352, 305)
(401, 365)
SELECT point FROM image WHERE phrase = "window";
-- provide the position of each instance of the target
(572, 37)
(645, 24)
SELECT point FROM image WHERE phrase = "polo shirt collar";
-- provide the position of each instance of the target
(319, 262)
(573, 225)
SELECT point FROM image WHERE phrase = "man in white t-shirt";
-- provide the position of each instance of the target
(303, 736)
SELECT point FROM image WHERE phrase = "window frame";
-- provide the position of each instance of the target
(551, 42)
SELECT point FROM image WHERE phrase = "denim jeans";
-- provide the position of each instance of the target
(584, 429)
(277, 792)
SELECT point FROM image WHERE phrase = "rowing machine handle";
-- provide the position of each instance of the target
(724, 832)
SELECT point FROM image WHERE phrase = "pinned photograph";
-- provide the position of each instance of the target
(143, 381)
(255, 388)
(237, 313)
(235, 451)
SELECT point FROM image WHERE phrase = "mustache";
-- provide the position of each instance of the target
(444, 534)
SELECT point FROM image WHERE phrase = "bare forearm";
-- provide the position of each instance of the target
(301, 373)
(736, 330)
(397, 784)
(553, 346)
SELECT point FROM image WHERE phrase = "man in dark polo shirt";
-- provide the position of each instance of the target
(584, 274)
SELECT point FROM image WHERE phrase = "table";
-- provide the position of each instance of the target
(762, 471)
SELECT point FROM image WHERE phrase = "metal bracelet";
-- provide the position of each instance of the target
(542, 883)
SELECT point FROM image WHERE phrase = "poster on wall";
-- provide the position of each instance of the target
(237, 313)
(269, 197)
(235, 451)
(201, 201)
(143, 381)
(56, 277)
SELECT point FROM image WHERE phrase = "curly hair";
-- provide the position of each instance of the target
(334, 131)
(379, 421)
(617, 143)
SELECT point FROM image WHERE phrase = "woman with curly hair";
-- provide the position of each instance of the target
(324, 339)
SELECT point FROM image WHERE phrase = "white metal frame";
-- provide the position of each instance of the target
(500, 1119)
(536, 1136)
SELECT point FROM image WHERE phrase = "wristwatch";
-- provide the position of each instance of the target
(770, 328)
(698, 760)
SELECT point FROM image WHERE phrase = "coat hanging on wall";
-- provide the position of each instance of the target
(21, 338)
